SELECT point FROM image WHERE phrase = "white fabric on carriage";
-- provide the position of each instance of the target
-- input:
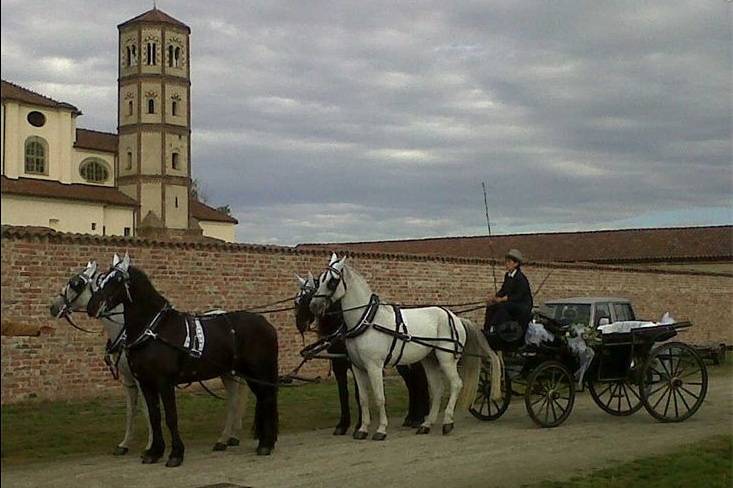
(626, 326)
(537, 334)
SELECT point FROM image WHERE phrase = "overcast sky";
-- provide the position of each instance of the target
(354, 120)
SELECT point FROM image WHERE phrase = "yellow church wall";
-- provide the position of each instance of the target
(127, 143)
(57, 132)
(150, 199)
(151, 91)
(151, 153)
(218, 230)
(66, 215)
(176, 206)
(128, 38)
(128, 114)
(176, 143)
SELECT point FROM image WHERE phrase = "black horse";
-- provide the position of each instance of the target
(160, 354)
(332, 320)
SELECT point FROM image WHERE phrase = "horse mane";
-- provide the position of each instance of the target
(142, 285)
(355, 276)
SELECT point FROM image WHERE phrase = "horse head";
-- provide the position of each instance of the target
(331, 286)
(303, 315)
(77, 292)
(113, 289)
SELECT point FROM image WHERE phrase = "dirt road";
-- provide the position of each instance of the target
(508, 452)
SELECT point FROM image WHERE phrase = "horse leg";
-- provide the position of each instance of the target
(265, 416)
(435, 384)
(232, 388)
(168, 395)
(420, 392)
(362, 384)
(376, 381)
(131, 397)
(406, 374)
(340, 367)
(449, 366)
(242, 400)
(152, 400)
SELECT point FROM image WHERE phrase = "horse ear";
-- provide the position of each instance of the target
(301, 281)
(311, 279)
(91, 268)
(125, 263)
(115, 260)
(334, 258)
(341, 262)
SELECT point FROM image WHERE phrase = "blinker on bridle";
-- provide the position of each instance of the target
(333, 284)
(77, 285)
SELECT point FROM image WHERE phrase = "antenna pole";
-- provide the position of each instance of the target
(488, 225)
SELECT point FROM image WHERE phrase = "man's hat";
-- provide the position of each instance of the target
(515, 255)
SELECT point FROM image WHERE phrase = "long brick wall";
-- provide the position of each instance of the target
(64, 363)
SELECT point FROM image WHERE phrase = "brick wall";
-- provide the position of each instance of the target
(65, 363)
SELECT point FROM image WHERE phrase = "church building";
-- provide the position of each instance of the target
(135, 182)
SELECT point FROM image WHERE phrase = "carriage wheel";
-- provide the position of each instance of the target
(483, 407)
(619, 397)
(550, 394)
(674, 382)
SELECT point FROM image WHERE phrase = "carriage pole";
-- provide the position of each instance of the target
(488, 224)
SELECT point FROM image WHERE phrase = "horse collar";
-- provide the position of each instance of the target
(366, 318)
(150, 330)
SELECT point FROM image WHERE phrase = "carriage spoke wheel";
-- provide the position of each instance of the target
(674, 382)
(483, 407)
(619, 397)
(550, 394)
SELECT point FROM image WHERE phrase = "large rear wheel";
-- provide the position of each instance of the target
(483, 407)
(550, 394)
(674, 382)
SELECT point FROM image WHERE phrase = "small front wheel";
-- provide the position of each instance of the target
(550, 394)
(617, 397)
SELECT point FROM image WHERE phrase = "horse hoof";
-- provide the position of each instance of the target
(339, 430)
(448, 428)
(264, 451)
(379, 436)
(174, 462)
(232, 442)
(408, 422)
(416, 423)
(360, 435)
(423, 430)
(120, 451)
(219, 446)
(148, 459)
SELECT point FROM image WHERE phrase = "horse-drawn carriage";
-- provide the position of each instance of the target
(632, 364)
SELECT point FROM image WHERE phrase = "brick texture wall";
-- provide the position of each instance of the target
(64, 363)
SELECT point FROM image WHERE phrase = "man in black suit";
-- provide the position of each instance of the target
(513, 302)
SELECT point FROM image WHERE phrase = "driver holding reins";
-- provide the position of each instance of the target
(513, 302)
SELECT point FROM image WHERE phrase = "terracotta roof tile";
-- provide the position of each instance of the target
(626, 245)
(96, 140)
(155, 15)
(201, 211)
(11, 91)
(54, 189)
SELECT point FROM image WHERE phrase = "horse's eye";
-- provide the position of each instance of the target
(333, 283)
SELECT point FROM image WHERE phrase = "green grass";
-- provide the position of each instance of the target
(708, 464)
(45, 431)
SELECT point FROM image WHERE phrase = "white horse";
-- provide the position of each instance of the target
(74, 298)
(434, 336)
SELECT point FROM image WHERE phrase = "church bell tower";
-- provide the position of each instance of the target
(154, 120)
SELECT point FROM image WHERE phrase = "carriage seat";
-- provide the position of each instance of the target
(506, 336)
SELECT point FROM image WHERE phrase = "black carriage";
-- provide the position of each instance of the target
(630, 369)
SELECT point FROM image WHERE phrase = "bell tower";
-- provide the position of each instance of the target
(154, 119)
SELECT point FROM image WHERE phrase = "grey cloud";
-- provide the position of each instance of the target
(357, 120)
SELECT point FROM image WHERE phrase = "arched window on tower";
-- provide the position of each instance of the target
(151, 105)
(129, 56)
(174, 108)
(133, 58)
(130, 108)
(152, 53)
(128, 165)
(177, 57)
(175, 160)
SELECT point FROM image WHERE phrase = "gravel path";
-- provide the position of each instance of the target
(508, 452)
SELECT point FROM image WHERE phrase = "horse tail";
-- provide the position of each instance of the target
(475, 350)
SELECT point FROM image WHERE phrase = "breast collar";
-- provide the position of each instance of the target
(150, 331)
(366, 318)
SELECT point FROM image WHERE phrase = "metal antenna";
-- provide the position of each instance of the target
(488, 224)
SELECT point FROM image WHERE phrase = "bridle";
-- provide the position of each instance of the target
(332, 284)
(68, 304)
(124, 277)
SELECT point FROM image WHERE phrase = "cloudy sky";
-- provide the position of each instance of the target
(353, 120)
